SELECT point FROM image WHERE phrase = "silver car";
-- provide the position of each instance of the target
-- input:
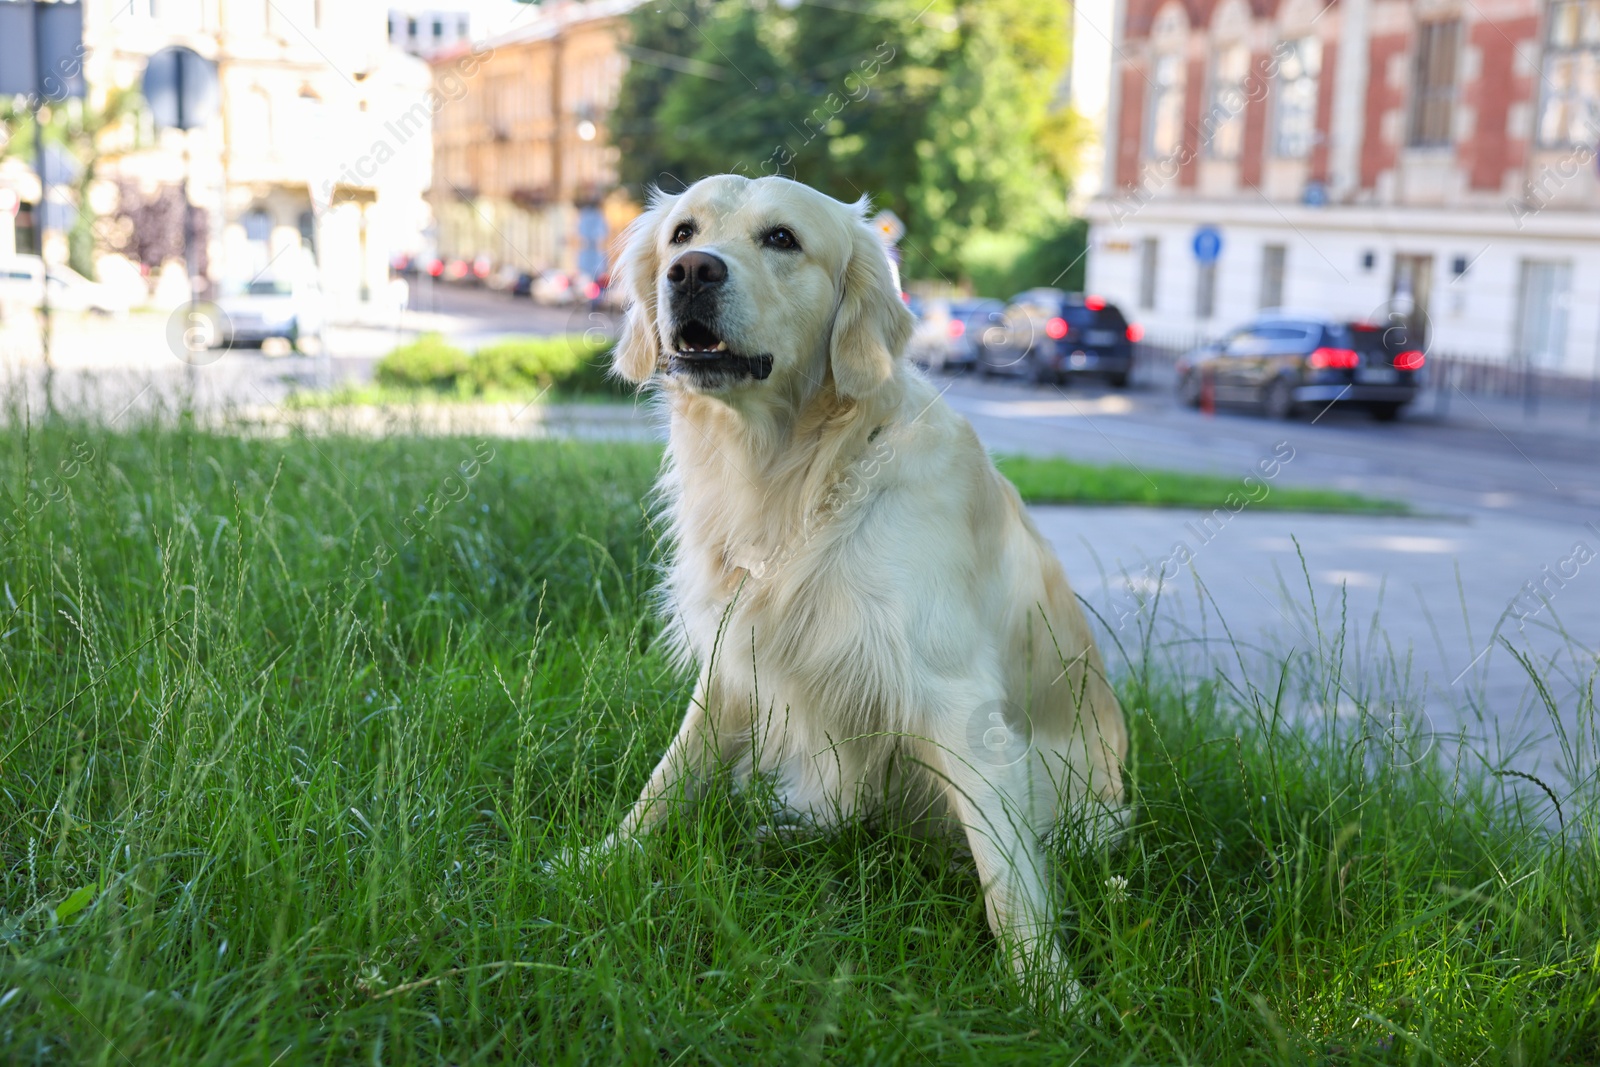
(264, 309)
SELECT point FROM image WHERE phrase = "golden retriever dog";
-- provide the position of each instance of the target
(873, 618)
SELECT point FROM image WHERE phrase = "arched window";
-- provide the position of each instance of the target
(1299, 71)
(1569, 114)
(1298, 56)
(1164, 117)
(1222, 126)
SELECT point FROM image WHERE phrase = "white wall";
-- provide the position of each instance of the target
(1473, 315)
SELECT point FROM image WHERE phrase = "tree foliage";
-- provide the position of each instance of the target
(944, 112)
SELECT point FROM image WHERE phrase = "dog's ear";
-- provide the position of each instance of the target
(873, 323)
(638, 350)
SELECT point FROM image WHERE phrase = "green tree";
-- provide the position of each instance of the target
(663, 40)
(942, 112)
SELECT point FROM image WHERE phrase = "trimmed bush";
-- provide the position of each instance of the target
(570, 363)
(567, 364)
(429, 362)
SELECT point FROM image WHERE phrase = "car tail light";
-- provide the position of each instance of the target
(592, 290)
(436, 268)
(1135, 332)
(1056, 329)
(1094, 303)
(957, 328)
(1334, 359)
(1412, 360)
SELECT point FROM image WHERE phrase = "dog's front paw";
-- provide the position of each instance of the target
(1047, 981)
(1056, 992)
(590, 858)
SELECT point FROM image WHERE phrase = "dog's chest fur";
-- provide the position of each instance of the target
(781, 585)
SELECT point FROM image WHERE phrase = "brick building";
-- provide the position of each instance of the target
(1430, 159)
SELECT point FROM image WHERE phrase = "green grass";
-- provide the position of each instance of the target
(378, 395)
(278, 768)
(1061, 481)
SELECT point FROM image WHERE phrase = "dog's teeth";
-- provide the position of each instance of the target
(721, 346)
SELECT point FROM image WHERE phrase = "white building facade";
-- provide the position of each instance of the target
(1427, 159)
(309, 165)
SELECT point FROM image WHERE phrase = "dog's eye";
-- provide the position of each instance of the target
(681, 235)
(780, 237)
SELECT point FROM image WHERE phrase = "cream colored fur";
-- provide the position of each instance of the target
(855, 584)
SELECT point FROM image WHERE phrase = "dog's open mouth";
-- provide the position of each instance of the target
(699, 351)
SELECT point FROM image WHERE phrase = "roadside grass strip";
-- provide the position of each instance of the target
(1052, 480)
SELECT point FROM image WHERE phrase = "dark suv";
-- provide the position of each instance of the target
(1282, 362)
(1050, 334)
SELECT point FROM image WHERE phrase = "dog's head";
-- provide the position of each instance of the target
(739, 285)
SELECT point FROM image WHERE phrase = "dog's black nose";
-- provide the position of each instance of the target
(694, 271)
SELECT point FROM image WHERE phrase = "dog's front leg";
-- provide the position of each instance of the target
(701, 742)
(996, 807)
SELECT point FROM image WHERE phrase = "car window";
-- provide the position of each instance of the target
(1251, 341)
(984, 314)
(1039, 301)
(1279, 339)
(1110, 318)
(1386, 341)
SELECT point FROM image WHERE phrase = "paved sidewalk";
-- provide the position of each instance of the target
(1573, 419)
(1413, 609)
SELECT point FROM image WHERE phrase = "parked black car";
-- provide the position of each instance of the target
(1051, 334)
(1283, 361)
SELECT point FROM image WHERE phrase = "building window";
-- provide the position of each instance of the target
(1165, 123)
(461, 28)
(1569, 115)
(1149, 260)
(1224, 124)
(1205, 290)
(257, 226)
(1542, 312)
(438, 29)
(1299, 67)
(1272, 263)
(411, 28)
(1433, 82)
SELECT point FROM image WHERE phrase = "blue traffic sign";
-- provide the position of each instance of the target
(1207, 244)
(180, 85)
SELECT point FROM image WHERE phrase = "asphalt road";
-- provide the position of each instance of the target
(1486, 459)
